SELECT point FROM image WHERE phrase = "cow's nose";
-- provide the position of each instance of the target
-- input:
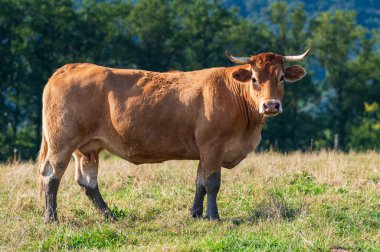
(271, 107)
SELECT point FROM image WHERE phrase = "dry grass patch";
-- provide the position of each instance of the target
(270, 202)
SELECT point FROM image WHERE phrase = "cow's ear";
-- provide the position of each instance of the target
(242, 75)
(294, 73)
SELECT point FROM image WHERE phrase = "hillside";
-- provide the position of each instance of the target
(368, 11)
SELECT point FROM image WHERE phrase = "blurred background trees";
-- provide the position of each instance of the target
(340, 95)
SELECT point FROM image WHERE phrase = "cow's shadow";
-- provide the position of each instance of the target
(273, 208)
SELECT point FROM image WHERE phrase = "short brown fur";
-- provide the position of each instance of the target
(147, 117)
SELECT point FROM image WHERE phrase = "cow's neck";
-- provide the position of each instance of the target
(255, 119)
(250, 110)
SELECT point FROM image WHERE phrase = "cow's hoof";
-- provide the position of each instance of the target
(196, 214)
(109, 216)
(214, 217)
(50, 220)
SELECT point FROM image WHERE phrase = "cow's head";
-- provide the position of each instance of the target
(266, 75)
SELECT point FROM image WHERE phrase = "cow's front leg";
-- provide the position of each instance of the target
(208, 180)
(206, 185)
(212, 185)
(200, 192)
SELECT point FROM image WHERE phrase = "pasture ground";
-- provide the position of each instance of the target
(271, 202)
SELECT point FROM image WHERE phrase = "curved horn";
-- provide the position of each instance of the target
(238, 60)
(296, 57)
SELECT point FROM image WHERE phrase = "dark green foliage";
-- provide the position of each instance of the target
(39, 36)
(367, 134)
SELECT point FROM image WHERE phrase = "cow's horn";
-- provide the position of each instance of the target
(238, 60)
(296, 57)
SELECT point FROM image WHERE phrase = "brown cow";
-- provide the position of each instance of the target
(213, 115)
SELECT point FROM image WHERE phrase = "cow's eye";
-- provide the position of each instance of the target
(254, 80)
(282, 78)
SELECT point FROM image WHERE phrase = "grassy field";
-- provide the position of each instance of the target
(270, 202)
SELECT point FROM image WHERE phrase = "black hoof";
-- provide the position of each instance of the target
(110, 217)
(214, 217)
(196, 214)
(48, 220)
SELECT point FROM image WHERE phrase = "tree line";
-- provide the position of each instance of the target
(339, 96)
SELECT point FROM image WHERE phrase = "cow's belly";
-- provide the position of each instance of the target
(153, 149)
(237, 150)
(157, 156)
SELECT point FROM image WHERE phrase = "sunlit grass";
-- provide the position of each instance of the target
(270, 202)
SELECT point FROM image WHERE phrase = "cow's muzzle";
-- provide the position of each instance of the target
(270, 107)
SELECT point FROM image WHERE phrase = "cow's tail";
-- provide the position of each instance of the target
(41, 160)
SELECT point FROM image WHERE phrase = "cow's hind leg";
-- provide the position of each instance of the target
(51, 172)
(86, 174)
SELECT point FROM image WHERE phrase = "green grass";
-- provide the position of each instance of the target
(270, 202)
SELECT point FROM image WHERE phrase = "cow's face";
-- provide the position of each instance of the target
(266, 78)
